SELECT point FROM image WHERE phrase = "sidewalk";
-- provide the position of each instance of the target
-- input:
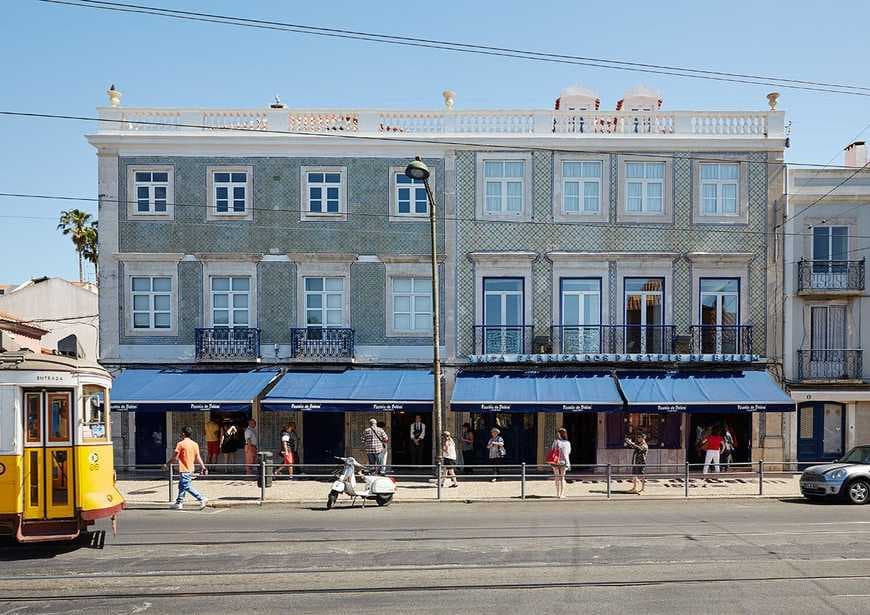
(223, 492)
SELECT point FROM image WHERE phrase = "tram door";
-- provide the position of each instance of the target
(48, 455)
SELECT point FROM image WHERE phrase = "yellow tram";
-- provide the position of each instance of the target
(56, 465)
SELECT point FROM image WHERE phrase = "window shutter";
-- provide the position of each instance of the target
(671, 436)
(616, 430)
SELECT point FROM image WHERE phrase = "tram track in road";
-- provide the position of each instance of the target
(421, 588)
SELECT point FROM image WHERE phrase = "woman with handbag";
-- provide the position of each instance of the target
(638, 459)
(559, 458)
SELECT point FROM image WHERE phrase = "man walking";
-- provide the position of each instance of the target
(418, 435)
(251, 447)
(186, 454)
(375, 442)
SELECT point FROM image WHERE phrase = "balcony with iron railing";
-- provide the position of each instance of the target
(614, 339)
(721, 339)
(227, 344)
(503, 339)
(830, 277)
(322, 343)
(592, 123)
(830, 365)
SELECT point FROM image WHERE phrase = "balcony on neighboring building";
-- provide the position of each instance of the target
(227, 344)
(614, 339)
(721, 339)
(321, 343)
(503, 339)
(830, 277)
(830, 365)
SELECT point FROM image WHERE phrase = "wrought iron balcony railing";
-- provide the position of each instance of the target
(721, 339)
(838, 364)
(840, 276)
(227, 344)
(503, 339)
(614, 339)
(321, 343)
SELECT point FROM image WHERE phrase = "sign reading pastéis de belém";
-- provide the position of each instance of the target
(613, 358)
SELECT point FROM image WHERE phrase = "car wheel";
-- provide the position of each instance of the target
(330, 500)
(858, 492)
(384, 500)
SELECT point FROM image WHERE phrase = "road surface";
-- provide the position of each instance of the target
(710, 556)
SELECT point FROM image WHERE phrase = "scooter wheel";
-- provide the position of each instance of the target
(330, 500)
(384, 500)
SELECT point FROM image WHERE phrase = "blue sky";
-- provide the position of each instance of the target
(59, 59)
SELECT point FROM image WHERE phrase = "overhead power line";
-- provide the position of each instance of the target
(473, 48)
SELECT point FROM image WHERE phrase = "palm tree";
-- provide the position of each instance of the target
(74, 223)
(89, 249)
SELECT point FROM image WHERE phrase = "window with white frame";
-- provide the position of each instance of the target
(410, 196)
(324, 192)
(412, 305)
(503, 186)
(581, 187)
(644, 187)
(151, 302)
(152, 191)
(324, 302)
(719, 189)
(230, 300)
(230, 192)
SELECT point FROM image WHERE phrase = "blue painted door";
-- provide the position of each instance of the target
(821, 429)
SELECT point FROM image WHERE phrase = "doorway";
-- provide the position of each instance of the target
(400, 439)
(738, 424)
(583, 434)
(322, 437)
(48, 460)
(150, 438)
(519, 430)
(821, 429)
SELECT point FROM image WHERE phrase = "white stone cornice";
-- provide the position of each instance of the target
(148, 257)
(321, 257)
(252, 257)
(560, 256)
(708, 258)
(400, 258)
(502, 257)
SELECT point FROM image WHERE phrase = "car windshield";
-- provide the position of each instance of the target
(859, 454)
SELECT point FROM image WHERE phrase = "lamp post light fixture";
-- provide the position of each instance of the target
(418, 170)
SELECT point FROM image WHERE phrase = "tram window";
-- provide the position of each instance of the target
(33, 418)
(94, 412)
(58, 417)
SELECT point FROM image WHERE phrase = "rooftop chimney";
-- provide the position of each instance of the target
(855, 155)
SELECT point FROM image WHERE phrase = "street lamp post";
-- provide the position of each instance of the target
(418, 170)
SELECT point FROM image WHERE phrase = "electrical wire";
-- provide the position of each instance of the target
(471, 48)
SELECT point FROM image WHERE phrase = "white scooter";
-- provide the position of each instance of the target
(378, 488)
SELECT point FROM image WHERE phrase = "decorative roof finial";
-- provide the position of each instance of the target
(114, 96)
(277, 104)
(771, 100)
(449, 99)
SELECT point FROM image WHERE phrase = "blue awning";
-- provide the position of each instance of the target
(731, 392)
(176, 390)
(535, 392)
(363, 390)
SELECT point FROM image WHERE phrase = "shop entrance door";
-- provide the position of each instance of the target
(821, 427)
(48, 468)
(583, 434)
(400, 438)
(322, 437)
(519, 430)
(150, 438)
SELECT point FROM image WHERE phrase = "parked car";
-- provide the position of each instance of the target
(848, 478)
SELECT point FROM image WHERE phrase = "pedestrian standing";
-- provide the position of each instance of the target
(418, 435)
(212, 440)
(187, 454)
(497, 451)
(229, 441)
(251, 447)
(375, 442)
(288, 447)
(560, 451)
(638, 460)
(469, 458)
(713, 445)
(729, 444)
(448, 454)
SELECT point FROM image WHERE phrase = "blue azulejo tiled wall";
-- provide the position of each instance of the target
(277, 227)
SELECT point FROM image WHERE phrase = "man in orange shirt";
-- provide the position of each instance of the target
(186, 454)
